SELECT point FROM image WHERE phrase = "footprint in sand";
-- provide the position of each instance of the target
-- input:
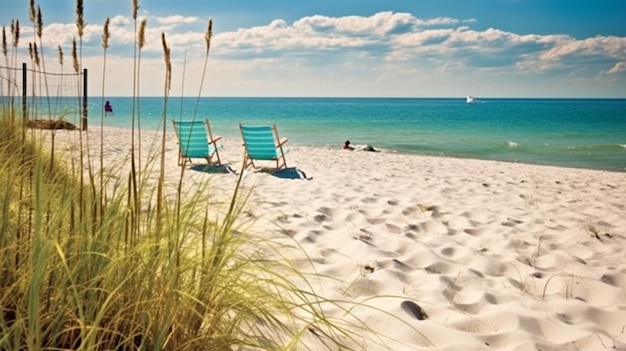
(321, 218)
(326, 211)
(369, 200)
(312, 236)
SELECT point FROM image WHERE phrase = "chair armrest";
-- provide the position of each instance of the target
(215, 139)
(282, 141)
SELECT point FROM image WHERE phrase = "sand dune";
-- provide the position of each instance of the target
(448, 254)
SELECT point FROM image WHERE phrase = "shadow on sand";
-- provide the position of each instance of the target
(288, 173)
(214, 169)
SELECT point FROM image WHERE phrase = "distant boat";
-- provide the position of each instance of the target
(470, 99)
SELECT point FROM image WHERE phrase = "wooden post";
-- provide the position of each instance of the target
(84, 120)
(24, 94)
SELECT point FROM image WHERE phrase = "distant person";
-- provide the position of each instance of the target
(369, 148)
(347, 146)
(108, 109)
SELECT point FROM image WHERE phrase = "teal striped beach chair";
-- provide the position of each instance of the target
(195, 140)
(262, 143)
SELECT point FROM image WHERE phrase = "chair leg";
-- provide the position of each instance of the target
(279, 164)
(248, 162)
(217, 154)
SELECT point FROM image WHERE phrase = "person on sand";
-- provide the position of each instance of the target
(347, 146)
(369, 148)
(108, 109)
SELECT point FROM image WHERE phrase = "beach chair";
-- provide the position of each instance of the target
(262, 143)
(195, 140)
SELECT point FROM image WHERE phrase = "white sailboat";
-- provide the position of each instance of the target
(470, 99)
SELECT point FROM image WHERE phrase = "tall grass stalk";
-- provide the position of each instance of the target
(106, 34)
(15, 31)
(38, 24)
(6, 80)
(166, 90)
(5, 53)
(37, 19)
(207, 40)
(141, 41)
(133, 192)
(76, 66)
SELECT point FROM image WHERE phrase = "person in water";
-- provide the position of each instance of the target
(346, 145)
(108, 109)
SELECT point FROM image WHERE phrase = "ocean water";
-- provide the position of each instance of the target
(583, 133)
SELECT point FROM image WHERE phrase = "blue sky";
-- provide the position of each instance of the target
(403, 48)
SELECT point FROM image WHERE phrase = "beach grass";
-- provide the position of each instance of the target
(90, 261)
(77, 278)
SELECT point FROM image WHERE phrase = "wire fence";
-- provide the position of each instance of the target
(39, 95)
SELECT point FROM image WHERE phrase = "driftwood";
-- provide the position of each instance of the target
(51, 124)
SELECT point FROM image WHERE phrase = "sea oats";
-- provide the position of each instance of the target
(4, 41)
(75, 56)
(168, 64)
(39, 22)
(80, 20)
(15, 30)
(106, 34)
(36, 54)
(135, 8)
(208, 35)
(31, 11)
(142, 34)
(60, 55)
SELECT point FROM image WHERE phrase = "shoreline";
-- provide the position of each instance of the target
(388, 151)
(497, 255)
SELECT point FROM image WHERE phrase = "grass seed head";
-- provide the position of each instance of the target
(36, 54)
(80, 19)
(106, 34)
(39, 22)
(208, 35)
(141, 38)
(135, 8)
(15, 30)
(31, 11)
(4, 41)
(75, 56)
(168, 64)
(60, 55)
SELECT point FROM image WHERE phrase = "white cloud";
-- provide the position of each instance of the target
(171, 21)
(383, 48)
(618, 68)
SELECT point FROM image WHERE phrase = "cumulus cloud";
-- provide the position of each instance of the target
(387, 36)
(385, 44)
(403, 36)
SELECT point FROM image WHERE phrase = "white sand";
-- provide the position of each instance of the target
(499, 256)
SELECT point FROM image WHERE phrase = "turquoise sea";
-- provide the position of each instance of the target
(585, 133)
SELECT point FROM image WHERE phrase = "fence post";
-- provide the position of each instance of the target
(84, 121)
(24, 94)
